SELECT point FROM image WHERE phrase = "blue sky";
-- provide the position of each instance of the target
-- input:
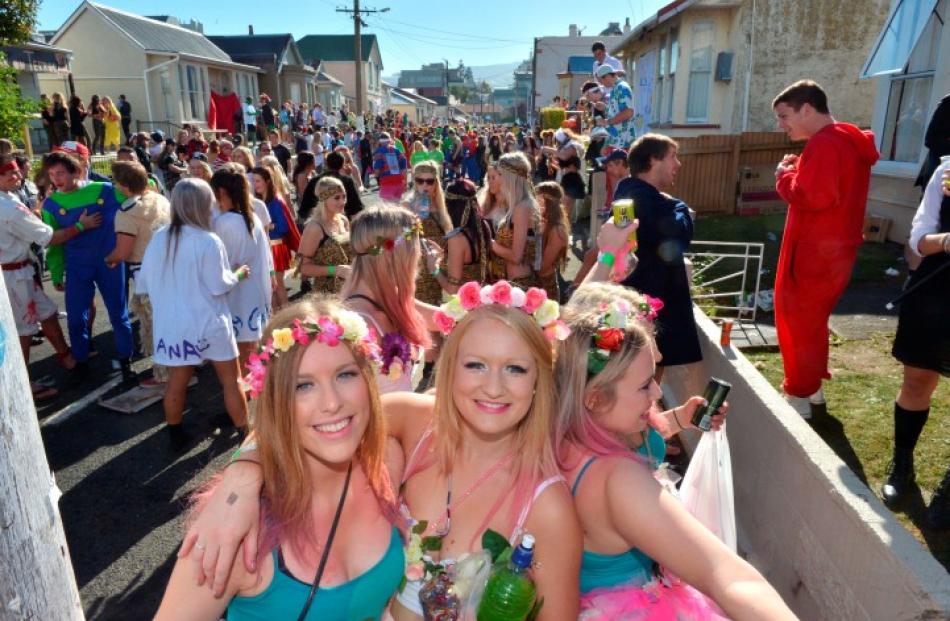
(480, 32)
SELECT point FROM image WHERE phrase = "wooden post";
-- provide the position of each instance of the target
(598, 196)
(36, 574)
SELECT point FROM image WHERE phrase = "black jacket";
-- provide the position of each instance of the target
(309, 199)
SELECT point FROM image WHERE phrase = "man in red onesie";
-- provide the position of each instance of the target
(826, 189)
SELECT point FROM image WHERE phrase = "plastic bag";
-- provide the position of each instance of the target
(706, 491)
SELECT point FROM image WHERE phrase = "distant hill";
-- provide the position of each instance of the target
(499, 76)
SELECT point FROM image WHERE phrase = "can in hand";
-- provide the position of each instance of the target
(725, 336)
(715, 396)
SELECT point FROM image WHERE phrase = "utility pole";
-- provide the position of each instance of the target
(358, 46)
(36, 576)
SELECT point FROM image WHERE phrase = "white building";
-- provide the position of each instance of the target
(551, 56)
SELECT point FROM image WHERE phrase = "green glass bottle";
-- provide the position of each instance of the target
(510, 592)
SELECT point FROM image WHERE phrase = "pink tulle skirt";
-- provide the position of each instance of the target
(659, 600)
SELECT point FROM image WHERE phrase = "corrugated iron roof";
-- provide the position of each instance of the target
(247, 47)
(163, 37)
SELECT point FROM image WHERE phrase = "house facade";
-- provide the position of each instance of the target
(713, 66)
(907, 67)
(336, 54)
(329, 90)
(286, 76)
(34, 60)
(168, 73)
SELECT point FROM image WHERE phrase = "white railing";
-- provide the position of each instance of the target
(707, 255)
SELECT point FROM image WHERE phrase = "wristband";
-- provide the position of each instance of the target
(946, 242)
(331, 270)
(607, 258)
(79, 226)
(250, 446)
(435, 273)
(241, 275)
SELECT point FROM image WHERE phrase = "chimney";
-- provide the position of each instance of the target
(572, 30)
(626, 26)
(250, 29)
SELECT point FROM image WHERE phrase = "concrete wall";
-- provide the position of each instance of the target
(819, 535)
(824, 40)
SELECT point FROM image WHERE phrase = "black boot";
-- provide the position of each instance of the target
(900, 478)
(128, 375)
(938, 513)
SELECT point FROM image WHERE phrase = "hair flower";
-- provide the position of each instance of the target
(283, 339)
(533, 302)
(347, 326)
(469, 295)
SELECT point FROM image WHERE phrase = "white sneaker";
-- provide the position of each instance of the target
(800, 405)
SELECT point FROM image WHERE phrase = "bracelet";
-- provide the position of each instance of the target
(435, 273)
(676, 418)
(331, 270)
(79, 226)
(607, 258)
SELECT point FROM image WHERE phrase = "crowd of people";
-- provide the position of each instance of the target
(437, 364)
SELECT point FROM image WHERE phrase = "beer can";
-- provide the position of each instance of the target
(623, 212)
(725, 336)
(715, 396)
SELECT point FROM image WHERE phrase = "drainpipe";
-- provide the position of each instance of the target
(748, 75)
(148, 96)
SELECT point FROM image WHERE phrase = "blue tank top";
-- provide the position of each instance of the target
(364, 597)
(630, 567)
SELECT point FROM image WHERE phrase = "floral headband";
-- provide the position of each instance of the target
(346, 325)
(613, 322)
(534, 302)
(384, 243)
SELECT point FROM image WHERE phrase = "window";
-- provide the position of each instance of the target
(899, 37)
(700, 73)
(671, 79)
(909, 98)
(192, 92)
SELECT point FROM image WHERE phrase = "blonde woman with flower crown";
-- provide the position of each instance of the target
(518, 237)
(478, 456)
(324, 252)
(327, 493)
(607, 452)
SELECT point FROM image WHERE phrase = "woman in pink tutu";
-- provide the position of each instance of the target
(643, 553)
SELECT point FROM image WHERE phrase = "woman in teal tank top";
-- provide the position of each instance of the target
(328, 505)
(643, 552)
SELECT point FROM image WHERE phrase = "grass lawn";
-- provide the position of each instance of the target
(859, 427)
(873, 259)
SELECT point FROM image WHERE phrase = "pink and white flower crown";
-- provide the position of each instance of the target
(346, 325)
(534, 302)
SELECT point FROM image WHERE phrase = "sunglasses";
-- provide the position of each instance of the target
(426, 181)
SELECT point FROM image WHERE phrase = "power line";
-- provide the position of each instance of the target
(459, 34)
(419, 38)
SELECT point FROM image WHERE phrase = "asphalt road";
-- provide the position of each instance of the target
(125, 488)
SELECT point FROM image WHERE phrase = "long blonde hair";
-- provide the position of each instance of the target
(390, 273)
(488, 202)
(281, 184)
(575, 422)
(534, 453)
(515, 171)
(288, 488)
(437, 204)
